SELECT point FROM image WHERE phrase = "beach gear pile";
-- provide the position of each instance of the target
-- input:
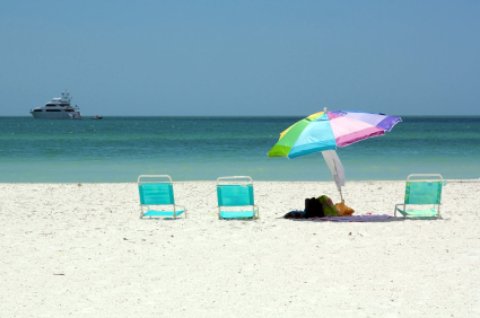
(321, 207)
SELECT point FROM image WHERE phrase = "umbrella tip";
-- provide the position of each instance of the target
(324, 109)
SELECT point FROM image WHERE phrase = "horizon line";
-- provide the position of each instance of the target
(239, 116)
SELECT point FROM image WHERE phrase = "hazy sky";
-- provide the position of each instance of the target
(241, 57)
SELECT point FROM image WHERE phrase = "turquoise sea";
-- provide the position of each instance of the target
(118, 149)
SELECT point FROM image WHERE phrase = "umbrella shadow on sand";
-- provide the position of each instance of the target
(358, 218)
(365, 218)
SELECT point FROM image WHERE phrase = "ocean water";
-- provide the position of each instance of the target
(118, 149)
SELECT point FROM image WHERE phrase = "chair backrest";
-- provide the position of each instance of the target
(235, 191)
(155, 190)
(424, 189)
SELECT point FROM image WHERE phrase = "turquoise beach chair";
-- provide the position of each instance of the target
(235, 198)
(157, 199)
(423, 195)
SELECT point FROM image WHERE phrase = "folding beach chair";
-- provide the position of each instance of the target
(423, 195)
(235, 198)
(157, 199)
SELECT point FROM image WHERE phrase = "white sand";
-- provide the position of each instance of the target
(81, 251)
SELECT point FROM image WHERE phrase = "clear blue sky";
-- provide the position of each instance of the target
(245, 57)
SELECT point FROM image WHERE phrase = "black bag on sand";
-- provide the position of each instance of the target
(295, 215)
(313, 208)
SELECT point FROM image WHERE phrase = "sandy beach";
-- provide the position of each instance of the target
(80, 250)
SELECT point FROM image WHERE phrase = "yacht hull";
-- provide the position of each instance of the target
(55, 115)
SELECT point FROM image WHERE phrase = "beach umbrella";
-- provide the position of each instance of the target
(326, 131)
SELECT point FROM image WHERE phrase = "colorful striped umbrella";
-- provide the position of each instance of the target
(329, 130)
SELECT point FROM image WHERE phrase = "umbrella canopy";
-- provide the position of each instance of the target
(326, 131)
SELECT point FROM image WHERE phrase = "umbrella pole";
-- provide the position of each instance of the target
(341, 195)
(336, 169)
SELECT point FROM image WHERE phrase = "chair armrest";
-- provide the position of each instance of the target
(401, 210)
(256, 211)
(181, 207)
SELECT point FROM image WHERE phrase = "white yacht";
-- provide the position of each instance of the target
(57, 108)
